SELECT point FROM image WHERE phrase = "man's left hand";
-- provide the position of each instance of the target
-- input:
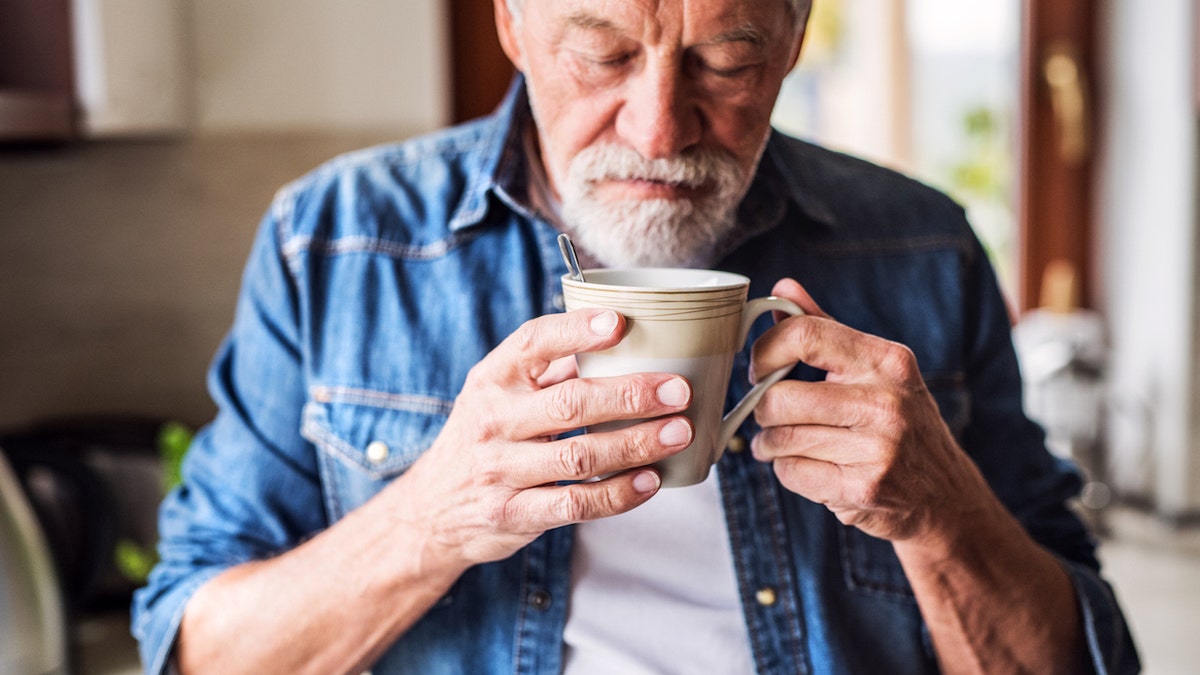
(867, 442)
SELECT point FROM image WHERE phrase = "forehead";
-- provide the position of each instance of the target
(686, 20)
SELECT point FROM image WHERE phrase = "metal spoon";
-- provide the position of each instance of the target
(568, 254)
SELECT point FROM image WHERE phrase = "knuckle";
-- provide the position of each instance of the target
(897, 361)
(802, 330)
(574, 460)
(563, 403)
(572, 506)
(631, 397)
(527, 336)
(499, 514)
(476, 418)
(479, 377)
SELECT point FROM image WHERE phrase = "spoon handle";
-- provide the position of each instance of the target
(568, 254)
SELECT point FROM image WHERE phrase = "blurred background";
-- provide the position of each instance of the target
(142, 140)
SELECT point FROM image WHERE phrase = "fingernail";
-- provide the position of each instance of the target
(603, 323)
(646, 481)
(676, 432)
(673, 392)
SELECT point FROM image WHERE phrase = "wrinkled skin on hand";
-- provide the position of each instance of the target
(868, 441)
(489, 485)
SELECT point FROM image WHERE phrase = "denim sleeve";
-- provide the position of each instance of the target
(1035, 485)
(250, 483)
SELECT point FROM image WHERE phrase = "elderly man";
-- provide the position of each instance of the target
(394, 481)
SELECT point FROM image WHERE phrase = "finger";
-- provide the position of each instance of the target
(526, 355)
(598, 454)
(792, 290)
(825, 444)
(551, 506)
(834, 404)
(817, 481)
(587, 401)
(847, 355)
(559, 370)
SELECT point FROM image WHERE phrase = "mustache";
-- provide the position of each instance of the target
(694, 168)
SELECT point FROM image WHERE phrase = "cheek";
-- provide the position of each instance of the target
(570, 118)
(741, 130)
(740, 122)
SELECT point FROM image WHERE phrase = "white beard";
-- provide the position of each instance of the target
(652, 232)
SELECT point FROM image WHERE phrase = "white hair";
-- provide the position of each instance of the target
(800, 9)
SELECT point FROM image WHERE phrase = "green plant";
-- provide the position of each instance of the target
(982, 180)
(134, 560)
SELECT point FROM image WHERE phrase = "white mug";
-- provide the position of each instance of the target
(690, 322)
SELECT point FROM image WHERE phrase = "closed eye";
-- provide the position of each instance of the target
(729, 72)
(610, 61)
(725, 70)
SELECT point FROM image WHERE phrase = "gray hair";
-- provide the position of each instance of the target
(800, 9)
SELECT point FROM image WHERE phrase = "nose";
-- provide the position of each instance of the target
(658, 119)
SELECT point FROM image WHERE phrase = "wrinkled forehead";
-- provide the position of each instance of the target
(798, 9)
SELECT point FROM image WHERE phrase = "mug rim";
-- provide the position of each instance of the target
(734, 280)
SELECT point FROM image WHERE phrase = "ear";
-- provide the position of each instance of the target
(798, 39)
(506, 28)
(796, 46)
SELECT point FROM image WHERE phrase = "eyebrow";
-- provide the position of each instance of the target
(745, 33)
(590, 22)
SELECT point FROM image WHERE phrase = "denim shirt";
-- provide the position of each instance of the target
(377, 281)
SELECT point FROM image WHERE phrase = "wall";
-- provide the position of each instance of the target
(121, 258)
(1147, 216)
(319, 64)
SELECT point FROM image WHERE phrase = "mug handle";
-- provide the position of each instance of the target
(735, 417)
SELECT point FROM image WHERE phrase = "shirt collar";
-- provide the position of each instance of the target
(501, 167)
(503, 172)
(792, 170)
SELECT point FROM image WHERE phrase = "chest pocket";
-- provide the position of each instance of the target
(365, 438)
(869, 564)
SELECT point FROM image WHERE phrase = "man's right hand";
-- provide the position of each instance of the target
(487, 487)
(492, 481)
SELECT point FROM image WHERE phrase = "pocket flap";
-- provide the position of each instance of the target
(377, 433)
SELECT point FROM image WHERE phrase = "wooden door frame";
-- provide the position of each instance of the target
(480, 71)
(37, 78)
(1055, 217)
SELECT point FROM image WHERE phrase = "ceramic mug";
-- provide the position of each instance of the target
(690, 322)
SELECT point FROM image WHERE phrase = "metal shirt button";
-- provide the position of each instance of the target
(736, 444)
(558, 301)
(377, 451)
(765, 596)
(540, 600)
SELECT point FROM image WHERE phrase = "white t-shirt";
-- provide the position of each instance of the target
(653, 591)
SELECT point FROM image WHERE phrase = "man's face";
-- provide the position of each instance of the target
(651, 114)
